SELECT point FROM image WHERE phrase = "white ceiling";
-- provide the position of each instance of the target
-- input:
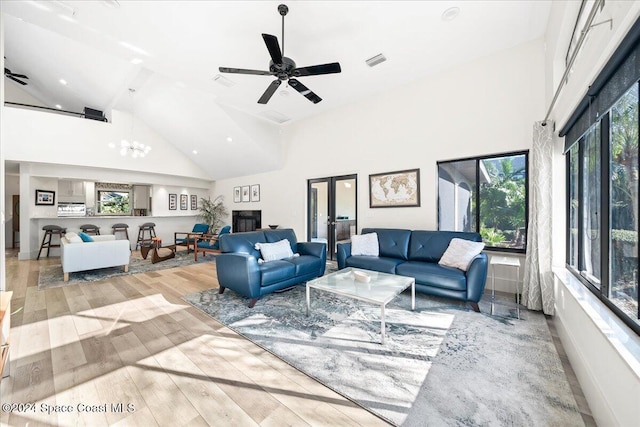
(182, 44)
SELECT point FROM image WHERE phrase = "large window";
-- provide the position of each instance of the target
(602, 183)
(488, 195)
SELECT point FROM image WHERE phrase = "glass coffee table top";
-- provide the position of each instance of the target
(379, 289)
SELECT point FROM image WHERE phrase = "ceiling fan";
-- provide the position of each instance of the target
(15, 77)
(285, 68)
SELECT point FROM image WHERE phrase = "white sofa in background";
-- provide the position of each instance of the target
(105, 251)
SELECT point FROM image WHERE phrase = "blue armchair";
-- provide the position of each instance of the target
(208, 243)
(239, 270)
(188, 238)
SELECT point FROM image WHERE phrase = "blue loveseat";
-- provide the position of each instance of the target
(239, 270)
(416, 254)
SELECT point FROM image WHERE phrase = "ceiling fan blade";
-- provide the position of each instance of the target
(315, 70)
(273, 47)
(243, 71)
(16, 80)
(304, 91)
(266, 96)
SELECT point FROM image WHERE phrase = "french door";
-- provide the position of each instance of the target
(332, 210)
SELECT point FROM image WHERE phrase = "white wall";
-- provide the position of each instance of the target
(45, 176)
(14, 93)
(2, 133)
(610, 384)
(483, 107)
(66, 140)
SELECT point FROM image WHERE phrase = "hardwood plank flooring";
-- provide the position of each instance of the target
(132, 340)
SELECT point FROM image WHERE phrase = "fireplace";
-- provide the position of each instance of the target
(246, 220)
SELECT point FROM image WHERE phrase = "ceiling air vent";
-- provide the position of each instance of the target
(223, 80)
(378, 59)
(275, 116)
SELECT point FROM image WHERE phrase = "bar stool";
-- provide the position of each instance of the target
(90, 229)
(122, 228)
(49, 231)
(147, 227)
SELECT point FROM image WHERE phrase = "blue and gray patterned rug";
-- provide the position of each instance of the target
(442, 364)
(51, 276)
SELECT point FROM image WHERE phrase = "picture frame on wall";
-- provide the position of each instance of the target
(194, 202)
(245, 193)
(45, 198)
(237, 194)
(173, 201)
(255, 193)
(399, 189)
(184, 200)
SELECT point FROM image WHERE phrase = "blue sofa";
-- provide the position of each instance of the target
(416, 254)
(238, 268)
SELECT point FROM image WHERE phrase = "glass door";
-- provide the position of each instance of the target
(332, 211)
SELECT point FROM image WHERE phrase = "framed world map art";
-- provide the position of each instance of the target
(399, 189)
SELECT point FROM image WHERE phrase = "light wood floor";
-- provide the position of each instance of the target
(132, 340)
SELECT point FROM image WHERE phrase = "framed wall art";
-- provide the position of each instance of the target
(45, 198)
(194, 202)
(173, 201)
(255, 193)
(395, 189)
(245, 193)
(184, 200)
(237, 194)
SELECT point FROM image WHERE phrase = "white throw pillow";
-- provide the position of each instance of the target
(460, 253)
(73, 237)
(275, 251)
(365, 244)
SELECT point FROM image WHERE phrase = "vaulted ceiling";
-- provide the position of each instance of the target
(170, 52)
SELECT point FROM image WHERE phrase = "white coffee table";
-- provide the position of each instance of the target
(381, 289)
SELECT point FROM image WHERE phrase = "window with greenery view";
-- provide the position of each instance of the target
(113, 202)
(486, 194)
(602, 184)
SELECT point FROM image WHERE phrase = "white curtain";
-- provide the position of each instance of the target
(537, 292)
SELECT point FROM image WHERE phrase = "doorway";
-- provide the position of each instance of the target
(332, 211)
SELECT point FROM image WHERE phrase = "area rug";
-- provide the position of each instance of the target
(51, 276)
(442, 364)
(339, 343)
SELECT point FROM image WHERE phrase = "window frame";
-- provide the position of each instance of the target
(476, 190)
(602, 292)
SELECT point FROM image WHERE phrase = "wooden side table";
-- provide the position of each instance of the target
(505, 261)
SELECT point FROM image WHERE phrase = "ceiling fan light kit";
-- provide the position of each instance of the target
(285, 69)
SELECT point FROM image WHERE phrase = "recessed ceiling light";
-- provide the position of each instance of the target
(112, 145)
(451, 13)
(229, 139)
(59, 107)
(195, 151)
(136, 61)
(63, 82)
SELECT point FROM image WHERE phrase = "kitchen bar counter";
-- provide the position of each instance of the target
(166, 226)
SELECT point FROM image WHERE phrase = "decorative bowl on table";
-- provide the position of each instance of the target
(273, 227)
(361, 276)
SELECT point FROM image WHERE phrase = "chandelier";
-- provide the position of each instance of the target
(135, 148)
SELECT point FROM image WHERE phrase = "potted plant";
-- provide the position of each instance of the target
(213, 212)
